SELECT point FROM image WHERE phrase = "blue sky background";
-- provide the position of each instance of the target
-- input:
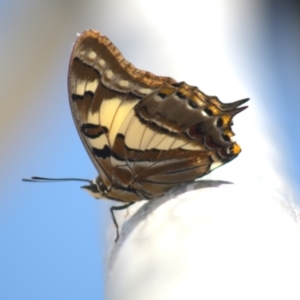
(53, 237)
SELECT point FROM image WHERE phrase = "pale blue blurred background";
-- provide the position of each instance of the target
(53, 237)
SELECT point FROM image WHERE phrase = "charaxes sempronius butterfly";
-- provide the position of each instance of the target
(144, 133)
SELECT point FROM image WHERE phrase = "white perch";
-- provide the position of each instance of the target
(219, 241)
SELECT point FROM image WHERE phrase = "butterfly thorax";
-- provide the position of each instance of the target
(123, 193)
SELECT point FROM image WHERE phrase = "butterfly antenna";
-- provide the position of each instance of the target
(44, 179)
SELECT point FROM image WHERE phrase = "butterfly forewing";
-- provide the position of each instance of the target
(144, 133)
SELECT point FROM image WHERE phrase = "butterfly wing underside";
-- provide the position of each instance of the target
(145, 134)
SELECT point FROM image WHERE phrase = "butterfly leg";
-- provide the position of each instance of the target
(114, 218)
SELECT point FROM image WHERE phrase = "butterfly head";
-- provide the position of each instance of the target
(96, 188)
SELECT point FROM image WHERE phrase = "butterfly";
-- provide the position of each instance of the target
(145, 134)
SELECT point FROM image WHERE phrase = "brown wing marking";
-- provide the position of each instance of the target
(118, 74)
(164, 168)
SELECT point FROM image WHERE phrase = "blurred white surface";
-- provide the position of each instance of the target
(227, 241)
(53, 236)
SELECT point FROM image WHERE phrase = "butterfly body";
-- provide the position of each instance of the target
(144, 133)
